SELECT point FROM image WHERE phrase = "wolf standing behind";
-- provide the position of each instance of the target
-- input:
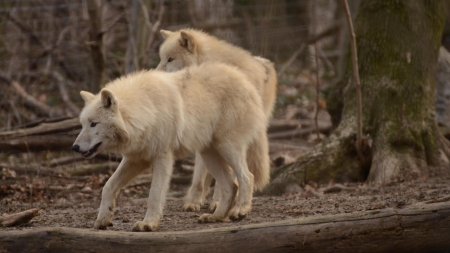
(152, 117)
(192, 47)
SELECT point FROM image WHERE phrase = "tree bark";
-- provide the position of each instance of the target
(398, 44)
(420, 228)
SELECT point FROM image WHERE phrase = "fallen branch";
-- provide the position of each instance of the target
(281, 125)
(18, 218)
(44, 128)
(29, 100)
(299, 132)
(44, 120)
(419, 228)
(63, 160)
(32, 168)
(94, 168)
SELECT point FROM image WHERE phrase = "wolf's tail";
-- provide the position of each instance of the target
(258, 160)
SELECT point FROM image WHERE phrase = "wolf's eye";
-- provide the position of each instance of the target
(170, 59)
(93, 124)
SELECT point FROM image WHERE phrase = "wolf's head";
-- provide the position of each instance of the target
(103, 127)
(179, 50)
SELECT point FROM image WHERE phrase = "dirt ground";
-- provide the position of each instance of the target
(69, 201)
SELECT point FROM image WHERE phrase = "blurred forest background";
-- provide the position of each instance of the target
(52, 49)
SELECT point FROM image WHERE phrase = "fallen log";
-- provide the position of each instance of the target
(419, 228)
(18, 218)
(58, 142)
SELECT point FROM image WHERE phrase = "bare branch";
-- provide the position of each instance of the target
(359, 141)
(61, 82)
(111, 25)
(331, 30)
(153, 28)
(29, 100)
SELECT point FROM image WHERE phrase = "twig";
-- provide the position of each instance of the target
(16, 113)
(309, 41)
(357, 83)
(316, 114)
(292, 59)
(327, 62)
(105, 30)
(24, 29)
(61, 82)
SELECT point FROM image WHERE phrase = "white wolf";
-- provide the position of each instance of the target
(189, 47)
(152, 117)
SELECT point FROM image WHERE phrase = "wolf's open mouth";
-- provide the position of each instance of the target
(91, 151)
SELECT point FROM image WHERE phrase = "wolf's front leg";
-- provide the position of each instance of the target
(127, 170)
(162, 171)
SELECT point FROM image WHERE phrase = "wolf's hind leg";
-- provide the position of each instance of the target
(127, 170)
(199, 188)
(215, 198)
(235, 156)
(219, 169)
(162, 171)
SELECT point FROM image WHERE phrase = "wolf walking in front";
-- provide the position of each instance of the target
(152, 117)
(190, 47)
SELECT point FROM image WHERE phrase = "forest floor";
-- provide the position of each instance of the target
(73, 201)
(68, 197)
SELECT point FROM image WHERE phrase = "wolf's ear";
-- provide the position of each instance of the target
(165, 33)
(87, 96)
(187, 41)
(108, 100)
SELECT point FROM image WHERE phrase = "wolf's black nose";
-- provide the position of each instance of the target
(76, 148)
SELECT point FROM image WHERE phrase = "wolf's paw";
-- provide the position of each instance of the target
(211, 218)
(143, 226)
(212, 207)
(191, 207)
(102, 223)
(239, 212)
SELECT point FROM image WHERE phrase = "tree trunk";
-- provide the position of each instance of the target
(398, 44)
(96, 45)
(421, 228)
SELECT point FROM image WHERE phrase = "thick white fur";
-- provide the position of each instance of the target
(152, 117)
(189, 47)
